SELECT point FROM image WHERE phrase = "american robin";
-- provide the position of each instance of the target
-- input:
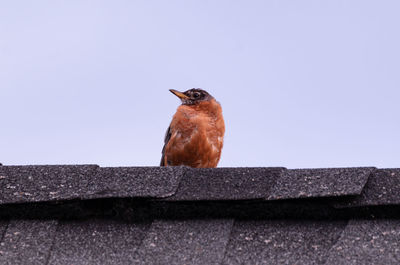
(196, 134)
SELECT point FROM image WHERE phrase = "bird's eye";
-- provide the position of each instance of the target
(196, 94)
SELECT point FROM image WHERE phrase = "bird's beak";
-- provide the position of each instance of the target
(178, 94)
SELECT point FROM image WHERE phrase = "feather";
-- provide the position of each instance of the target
(166, 140)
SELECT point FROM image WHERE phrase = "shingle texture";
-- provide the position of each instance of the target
(372, 241)
(227, 183)
(185, 242)
(155, 182)
(97, 241)
(27, 242)
(282, 241)
(177, 215)
(20, 184)
(53, 183)
(382, 188)
(305, 183)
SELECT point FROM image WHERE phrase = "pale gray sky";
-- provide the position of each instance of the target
(301, 83)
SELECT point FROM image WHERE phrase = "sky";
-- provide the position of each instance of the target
(301, 83)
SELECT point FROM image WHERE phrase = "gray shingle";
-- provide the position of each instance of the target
(3, 228)
(136, 182)
(97, 241)
(185, 242)
(226, 183)
(327, 182)
(368, 242)
(382, 188)
(20, 184)
(282, 241)
(27, 242)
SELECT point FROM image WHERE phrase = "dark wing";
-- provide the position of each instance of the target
(166, 140)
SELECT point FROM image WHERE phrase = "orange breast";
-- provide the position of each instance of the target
(196, 136)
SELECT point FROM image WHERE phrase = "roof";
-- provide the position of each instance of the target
(86, 214)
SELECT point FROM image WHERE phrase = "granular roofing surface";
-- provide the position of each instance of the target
(86, 214)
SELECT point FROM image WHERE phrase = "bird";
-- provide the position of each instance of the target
(195, 136)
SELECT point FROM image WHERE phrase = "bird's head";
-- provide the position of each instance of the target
(192, 96)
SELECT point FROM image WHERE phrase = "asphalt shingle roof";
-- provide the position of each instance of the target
(177, 215)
